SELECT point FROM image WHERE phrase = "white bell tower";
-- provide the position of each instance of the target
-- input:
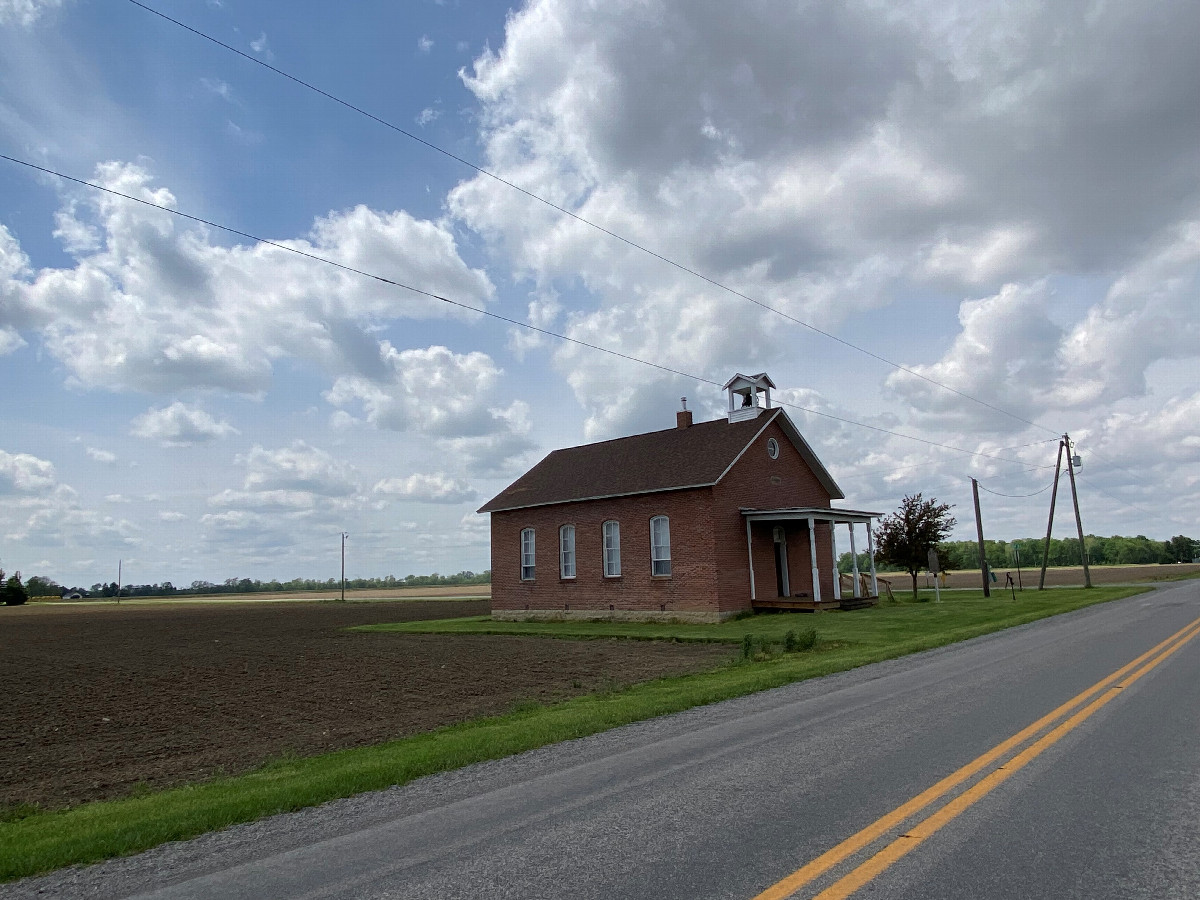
(745, 393)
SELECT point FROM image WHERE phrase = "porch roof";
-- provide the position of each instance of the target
(821, 513)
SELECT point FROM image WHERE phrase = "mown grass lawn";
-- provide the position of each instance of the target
(32, 841)
(960, 612)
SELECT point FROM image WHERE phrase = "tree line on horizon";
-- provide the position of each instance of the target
(1116, 550)
(38, 586)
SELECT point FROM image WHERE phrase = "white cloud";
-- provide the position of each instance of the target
(435, 488)
(427, 115)
(940, 148)
(180, 425)
(25, 12)
(436, 392)
(172, 516)
(155, 306)
(299, 467)
(10, 341)
(264, 501)
(101, 456)
(261, 46)
(424, 43)
(25, 473)
(218, 87)
(1006, 354)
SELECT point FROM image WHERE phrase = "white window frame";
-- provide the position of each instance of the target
(612, 548)
(528, 554)
(660, 546)
(566, 551)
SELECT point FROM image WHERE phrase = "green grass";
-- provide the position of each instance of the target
(871, 629)
(33, 841)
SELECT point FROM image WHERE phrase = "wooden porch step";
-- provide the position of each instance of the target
(849, 603)
(799, 604)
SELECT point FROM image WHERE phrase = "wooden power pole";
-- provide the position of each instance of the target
(344, 536)
(1050, 521)
(1087, 572)
(983, 566)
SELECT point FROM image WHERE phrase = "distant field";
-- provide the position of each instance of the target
(473, 591)
(1055, 576)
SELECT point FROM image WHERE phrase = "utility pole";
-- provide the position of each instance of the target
(119, 562)
(1087, 572)
(1050, 523)
(987, 588)
(344, 536)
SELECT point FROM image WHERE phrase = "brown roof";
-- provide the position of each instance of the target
(645, 463)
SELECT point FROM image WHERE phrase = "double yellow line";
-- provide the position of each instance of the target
(1071, 715)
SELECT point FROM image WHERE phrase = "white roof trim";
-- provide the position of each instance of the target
(678, 487)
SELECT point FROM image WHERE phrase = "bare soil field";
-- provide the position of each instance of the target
(1060, 576)
(101, 701)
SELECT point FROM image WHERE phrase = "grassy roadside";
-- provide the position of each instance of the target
(43, 841)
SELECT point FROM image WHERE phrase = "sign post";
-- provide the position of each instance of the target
(934, 569)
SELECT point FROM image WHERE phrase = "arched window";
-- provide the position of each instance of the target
(612, 549)
(566, 551)
(660, 546)
(527, 555)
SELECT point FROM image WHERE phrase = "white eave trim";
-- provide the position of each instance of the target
(662, 490)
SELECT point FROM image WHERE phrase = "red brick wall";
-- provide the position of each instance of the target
(708, 544)
(758, 481)
(690, 587)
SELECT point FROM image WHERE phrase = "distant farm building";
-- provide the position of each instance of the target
(698, 522)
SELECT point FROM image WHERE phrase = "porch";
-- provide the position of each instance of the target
(799, 588)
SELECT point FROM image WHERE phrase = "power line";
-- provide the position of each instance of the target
(1015, 496)
(578, 218)
(484, 312)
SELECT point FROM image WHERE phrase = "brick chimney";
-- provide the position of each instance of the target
(683, 418)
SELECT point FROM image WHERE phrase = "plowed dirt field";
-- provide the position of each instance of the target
(101, 701)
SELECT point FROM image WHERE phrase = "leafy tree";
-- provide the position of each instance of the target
(12, 591)
(906, 536)
(1181, 549)
(40, 586)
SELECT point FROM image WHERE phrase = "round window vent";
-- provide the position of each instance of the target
(773, 448)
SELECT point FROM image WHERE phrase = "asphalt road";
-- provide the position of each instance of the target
(726, 801)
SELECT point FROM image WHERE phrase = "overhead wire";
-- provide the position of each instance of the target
(484, 312)
(578, 218)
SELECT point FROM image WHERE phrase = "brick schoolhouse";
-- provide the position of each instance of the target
(698, 522)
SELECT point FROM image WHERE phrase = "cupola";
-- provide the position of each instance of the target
(749, 395)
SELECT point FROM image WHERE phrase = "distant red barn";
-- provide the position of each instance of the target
(699, 522)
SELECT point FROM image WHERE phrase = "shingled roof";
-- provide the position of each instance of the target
(671, 459)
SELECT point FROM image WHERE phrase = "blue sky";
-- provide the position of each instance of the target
(1005, 199)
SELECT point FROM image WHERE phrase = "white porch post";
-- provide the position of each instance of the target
(854, 555)
(871, 553)
(750, 554)
(812, 549)
(837, 581)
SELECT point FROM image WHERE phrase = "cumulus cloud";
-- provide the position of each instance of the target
(180, 425)
(25, 473)
(299, 467)
(830, 160)
(101, 456)
(435, 488)
(441, 394)
(43, 512)
(1006, 354)
(25, 12)
(156, 306)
